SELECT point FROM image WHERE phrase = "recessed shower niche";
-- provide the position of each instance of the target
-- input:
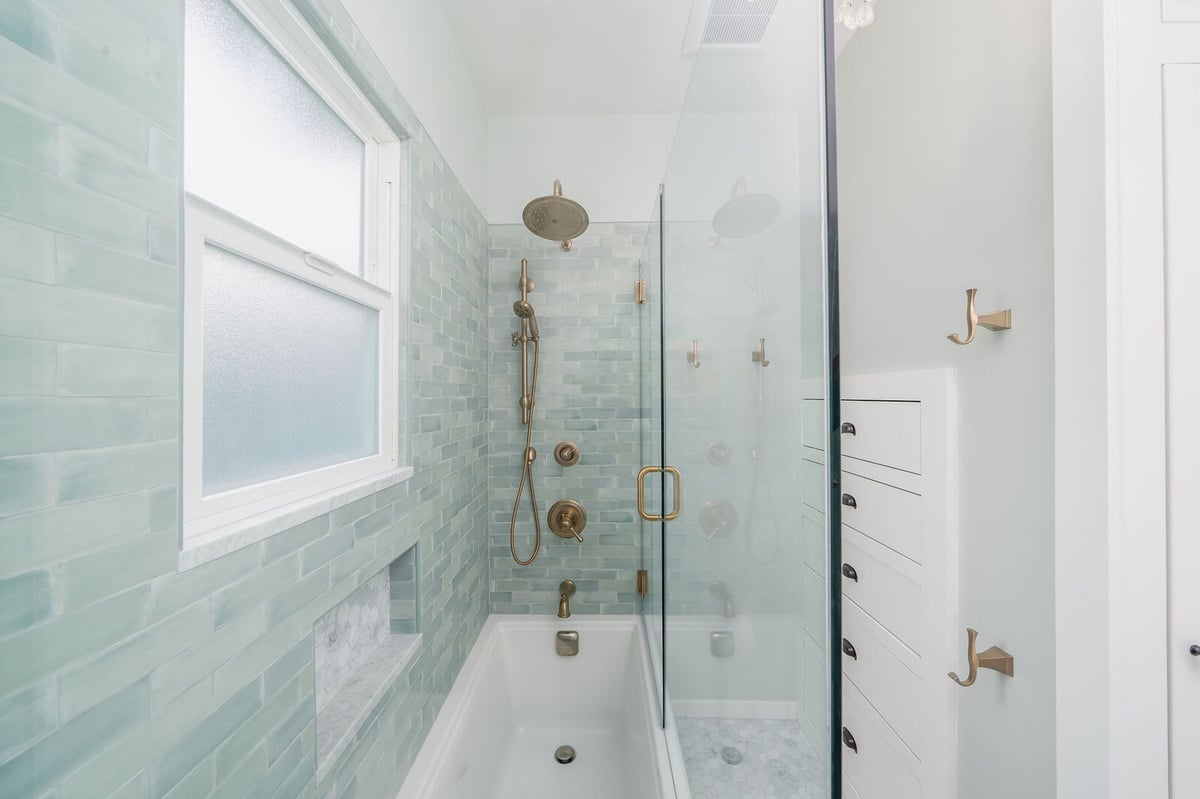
(360, 646)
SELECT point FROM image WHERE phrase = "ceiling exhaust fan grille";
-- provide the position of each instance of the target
(738, 21)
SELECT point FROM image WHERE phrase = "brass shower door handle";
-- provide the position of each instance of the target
(641, 493)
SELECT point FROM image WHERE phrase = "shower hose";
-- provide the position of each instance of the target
(527, 472)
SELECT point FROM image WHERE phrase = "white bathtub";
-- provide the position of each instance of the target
(516, 701)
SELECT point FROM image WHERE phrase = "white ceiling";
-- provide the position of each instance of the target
(542, 57)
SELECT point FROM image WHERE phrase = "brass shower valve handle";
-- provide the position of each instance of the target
(993, 658)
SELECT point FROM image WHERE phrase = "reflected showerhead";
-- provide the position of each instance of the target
(525, 311)
(745, 214)
(555, 217)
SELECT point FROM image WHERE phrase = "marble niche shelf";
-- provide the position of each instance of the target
(361, 645)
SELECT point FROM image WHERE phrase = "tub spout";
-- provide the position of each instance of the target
(566, 590)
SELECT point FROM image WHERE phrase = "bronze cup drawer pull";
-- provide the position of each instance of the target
(849, 741)
(848, 428)
(849, 572)
(848, 649)
(849, 501)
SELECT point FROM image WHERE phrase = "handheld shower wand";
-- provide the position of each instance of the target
(529, 332)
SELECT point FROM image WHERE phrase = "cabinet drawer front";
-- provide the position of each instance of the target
(882, 766)
(887, 433)
(886, 587)
(891, 516)
(886, 682)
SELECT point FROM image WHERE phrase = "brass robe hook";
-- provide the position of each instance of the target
(999, 320)
(993, 658)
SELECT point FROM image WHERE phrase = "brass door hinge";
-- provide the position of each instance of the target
(639, 292)
(643, 582)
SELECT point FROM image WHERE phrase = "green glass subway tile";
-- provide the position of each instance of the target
(87, 161)
(275, 710)
(322, 551)
(31, 655)
(279, 771)
(88, 474)
(95, 65)
(206, 656)
(283, 670)
(32, 310)
(26, 251)
(39, 767)
(85, 371)
(249, 663)
(28, 367)
(369, 525)
(163, 241)
(251, 769)
(92, 577)
(130, 754)
(136, 788)
(294, 539)
(197, 784)
(164, 418)
(40, 199)
(38, 539)
(302, 715)
(25, 23)
(296, 596)
(177, 761)
(173, 592)
(164, 509)
(90, 267)
(350, 562)
(24, 601)
(26, 483)
(26, 716)
(251, 592)
(352, 512)
(164, 330)
(83, 686)
(27, 139)
(164, 153)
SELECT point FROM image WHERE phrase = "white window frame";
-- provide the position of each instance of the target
(381, 286)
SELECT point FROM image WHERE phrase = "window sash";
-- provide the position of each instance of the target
(205, 223)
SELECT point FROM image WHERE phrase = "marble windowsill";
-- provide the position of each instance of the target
(224, 540)
(348, 709)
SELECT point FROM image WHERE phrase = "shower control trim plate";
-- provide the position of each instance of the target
(566, 643)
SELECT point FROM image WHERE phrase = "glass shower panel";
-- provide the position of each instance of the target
(746, 655)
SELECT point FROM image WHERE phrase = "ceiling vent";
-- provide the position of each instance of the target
(737, 22)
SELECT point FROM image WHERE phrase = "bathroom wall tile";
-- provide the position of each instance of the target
(136, 788)
(86, 161)
(35, 424)
(26, 251)
(26, 716)
(28, 139)
(26, 483)
(35, 540)
(250, 771)
(86, 266)
(85, 685)
(28, 367)
(85, 371)
(172, 592)
(195, 664)
(297, 595)
(288, 666)
(38, 767)
(31, 310)
(197, 784)
(93, 64)
(254, 590)
(24, 601)
(326, 549)
(29, 656)
(92, 577)
(229, 755)
(28, 25)
(88, 474)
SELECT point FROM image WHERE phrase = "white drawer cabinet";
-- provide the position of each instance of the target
(874, 758)
(878, 671)
(884, 432)
(884, 584)
(890, 515)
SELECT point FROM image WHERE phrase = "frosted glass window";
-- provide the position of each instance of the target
(260, 143)
(291, 375)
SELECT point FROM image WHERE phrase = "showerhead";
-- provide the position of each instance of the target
(745, 214)
(525, 311)
(555, 217)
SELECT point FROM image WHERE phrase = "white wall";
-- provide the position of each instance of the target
(944, 137)
(416, 43)
(612, 163)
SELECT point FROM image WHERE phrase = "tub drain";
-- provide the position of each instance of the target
(731, 755)
(566, 753)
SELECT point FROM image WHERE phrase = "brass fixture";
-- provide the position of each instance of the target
(760, 355)
(720, 591)
(556, 218)
(718, 517)
(566, 453)
(693, 357)
(639, 292)
(566, 590)
(993, 658)
(997, 320)
(565, 754)
(641, 494)
(567, 519)
(643, 582)
(721, 644)
(566, 642)
(717, 453)
(528, 333)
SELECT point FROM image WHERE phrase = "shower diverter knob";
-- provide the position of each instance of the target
(567, 519)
